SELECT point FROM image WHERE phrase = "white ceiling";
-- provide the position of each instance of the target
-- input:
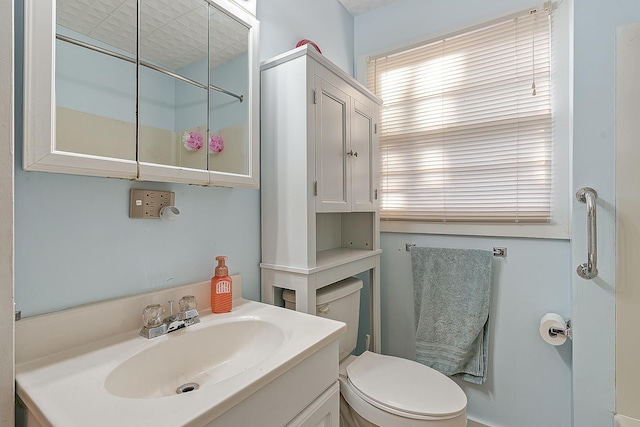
(173, 32)
(358, 7)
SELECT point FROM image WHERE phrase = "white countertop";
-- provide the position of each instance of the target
(67, 388)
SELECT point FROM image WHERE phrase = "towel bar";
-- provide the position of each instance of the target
(497, 252)
(500, 252)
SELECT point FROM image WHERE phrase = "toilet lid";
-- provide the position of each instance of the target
(405, 386)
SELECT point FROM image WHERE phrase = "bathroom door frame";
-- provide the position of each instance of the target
(7, 370)
(594, 143)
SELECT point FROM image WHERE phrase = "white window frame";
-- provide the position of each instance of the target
(559, 226)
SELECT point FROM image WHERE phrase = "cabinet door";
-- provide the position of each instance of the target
(79, 104)
(322, 412)
(332, 142)
(363, 157)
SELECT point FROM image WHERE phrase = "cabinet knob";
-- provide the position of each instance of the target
(352, 153)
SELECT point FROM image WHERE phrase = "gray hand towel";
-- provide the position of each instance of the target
(452, 291)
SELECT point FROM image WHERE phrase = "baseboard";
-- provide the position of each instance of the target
(622, 421)
(471, 423)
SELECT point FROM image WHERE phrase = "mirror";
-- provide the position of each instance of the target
(173, 83)
(173, 100)
(228, 111)
(95, 92)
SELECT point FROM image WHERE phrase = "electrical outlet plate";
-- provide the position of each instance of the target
(147, 203)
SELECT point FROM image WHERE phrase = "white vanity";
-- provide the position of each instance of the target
(258, 365)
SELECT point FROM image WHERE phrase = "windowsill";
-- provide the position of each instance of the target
(532, 231)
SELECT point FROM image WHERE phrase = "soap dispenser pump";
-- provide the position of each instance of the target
(221, 288)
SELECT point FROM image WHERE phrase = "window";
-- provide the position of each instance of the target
(466, 130)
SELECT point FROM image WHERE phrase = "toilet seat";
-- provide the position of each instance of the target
(405, 388)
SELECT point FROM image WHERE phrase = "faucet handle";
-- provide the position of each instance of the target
(153, 325)
(152, 315)
(188, 311)
(187, 302)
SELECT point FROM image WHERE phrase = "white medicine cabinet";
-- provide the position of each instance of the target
(154, 90)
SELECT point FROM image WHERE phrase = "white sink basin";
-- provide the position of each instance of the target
(202, 355)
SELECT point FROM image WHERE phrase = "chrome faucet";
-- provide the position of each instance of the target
(181, 319)
(153, 327)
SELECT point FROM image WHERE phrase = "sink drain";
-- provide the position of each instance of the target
(186, 388)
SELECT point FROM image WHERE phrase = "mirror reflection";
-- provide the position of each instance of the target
(192, 81)
(173, 83)
(228, 118)
(95, 79)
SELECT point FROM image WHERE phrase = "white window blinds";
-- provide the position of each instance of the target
(466, 126)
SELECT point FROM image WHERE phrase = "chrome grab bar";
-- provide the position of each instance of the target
(589, 269)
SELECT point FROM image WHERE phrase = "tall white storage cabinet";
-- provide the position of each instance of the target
(320, 163)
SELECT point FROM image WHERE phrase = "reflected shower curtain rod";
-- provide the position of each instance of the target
(146, 64)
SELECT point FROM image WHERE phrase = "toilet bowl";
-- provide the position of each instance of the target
(379, 390)
(391, 391)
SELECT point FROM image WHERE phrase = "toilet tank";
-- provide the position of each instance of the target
(338, 301)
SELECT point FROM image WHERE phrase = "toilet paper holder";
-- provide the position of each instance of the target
(554, 332)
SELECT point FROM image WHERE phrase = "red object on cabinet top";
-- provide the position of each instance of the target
(305, 41)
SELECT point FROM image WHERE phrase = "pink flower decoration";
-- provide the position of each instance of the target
(216, 144)
(192, 140)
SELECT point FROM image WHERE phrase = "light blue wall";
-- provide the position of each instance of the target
(74, 240)
(529, 381)
(412, 20)
(284, 22)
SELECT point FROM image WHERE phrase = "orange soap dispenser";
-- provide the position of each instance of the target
(221, 292)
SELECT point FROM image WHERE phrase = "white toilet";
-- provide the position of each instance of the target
(385, 391)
